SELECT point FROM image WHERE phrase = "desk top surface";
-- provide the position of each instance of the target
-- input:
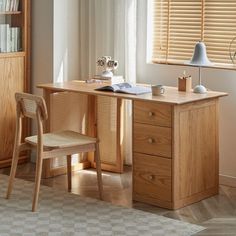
(171, 96)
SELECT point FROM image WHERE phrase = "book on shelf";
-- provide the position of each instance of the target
(3, 35)
(10, 38)
(15, 39)
(9, 5)
(16, 5)
(1, 5)
(125, 88)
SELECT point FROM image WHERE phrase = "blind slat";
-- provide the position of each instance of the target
(179, 24)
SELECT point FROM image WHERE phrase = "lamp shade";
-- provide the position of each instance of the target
(200, 56)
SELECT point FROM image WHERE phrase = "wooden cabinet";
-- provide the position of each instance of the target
(14, 76)
(175, 152)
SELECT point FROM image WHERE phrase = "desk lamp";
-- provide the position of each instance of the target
(200, 60)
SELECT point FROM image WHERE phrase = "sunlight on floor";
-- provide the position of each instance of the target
(92, 172)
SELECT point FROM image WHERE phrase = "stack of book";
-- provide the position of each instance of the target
(116, 79)
(9, 38)
(9, 5)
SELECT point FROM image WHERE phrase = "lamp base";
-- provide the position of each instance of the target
(200, 89)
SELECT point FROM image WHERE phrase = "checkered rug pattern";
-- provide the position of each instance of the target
(64, 214)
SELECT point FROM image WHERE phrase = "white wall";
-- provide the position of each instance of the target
(42, 43)
(49, 59)
(66, 40)
(55, 36)
(215, 79)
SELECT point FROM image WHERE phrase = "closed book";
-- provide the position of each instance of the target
(18, 39)
(12, 2)
(3, 43)
(8, 38)
(8, 4)
(16, 6)
(1, 5)
(116, 79)
(4, 5)
(12, 39)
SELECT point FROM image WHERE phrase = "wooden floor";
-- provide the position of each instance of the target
(217, 214)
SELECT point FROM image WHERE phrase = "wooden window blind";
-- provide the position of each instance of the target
(179, 24)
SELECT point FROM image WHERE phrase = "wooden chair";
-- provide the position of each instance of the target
(48, 145)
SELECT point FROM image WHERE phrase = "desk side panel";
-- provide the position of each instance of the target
(110, 133)
(195, 152)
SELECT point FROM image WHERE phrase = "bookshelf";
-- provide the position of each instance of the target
(10, 12)
(14, 71)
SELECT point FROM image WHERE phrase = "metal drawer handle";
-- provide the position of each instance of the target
(150, 113)
(151, 140)
(151, 177)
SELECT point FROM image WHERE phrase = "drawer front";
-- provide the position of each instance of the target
(152, 177)
(153, 140)
(152, 113)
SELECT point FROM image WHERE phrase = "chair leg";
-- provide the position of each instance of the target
(13, 171)
(99, 172)
(69, 172)
(38, 174)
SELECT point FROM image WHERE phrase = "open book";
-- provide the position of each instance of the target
(125, 88)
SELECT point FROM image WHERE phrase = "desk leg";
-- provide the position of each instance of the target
(46, 172)
(92, 122)
(120, 134)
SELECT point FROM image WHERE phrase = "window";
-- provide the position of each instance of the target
(178, 24)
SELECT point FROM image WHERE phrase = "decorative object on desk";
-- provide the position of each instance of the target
(108, 65)
(232, 50)
(185, 83)
(158, 90)
(200, 60)
(126, 88)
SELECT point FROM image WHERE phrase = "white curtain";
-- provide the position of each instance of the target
(108, 27)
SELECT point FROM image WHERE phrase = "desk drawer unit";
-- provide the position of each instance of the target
(175, 152)
(152, 147)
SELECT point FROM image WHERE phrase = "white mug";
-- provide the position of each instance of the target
(158, 90)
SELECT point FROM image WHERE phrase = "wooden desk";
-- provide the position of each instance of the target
(175, 143)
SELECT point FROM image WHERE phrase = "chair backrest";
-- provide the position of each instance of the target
(30, 105)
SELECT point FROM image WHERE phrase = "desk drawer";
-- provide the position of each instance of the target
(151, 178)
(152, 113)
(153, 140)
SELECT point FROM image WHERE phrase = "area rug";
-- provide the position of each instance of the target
(64, 214)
